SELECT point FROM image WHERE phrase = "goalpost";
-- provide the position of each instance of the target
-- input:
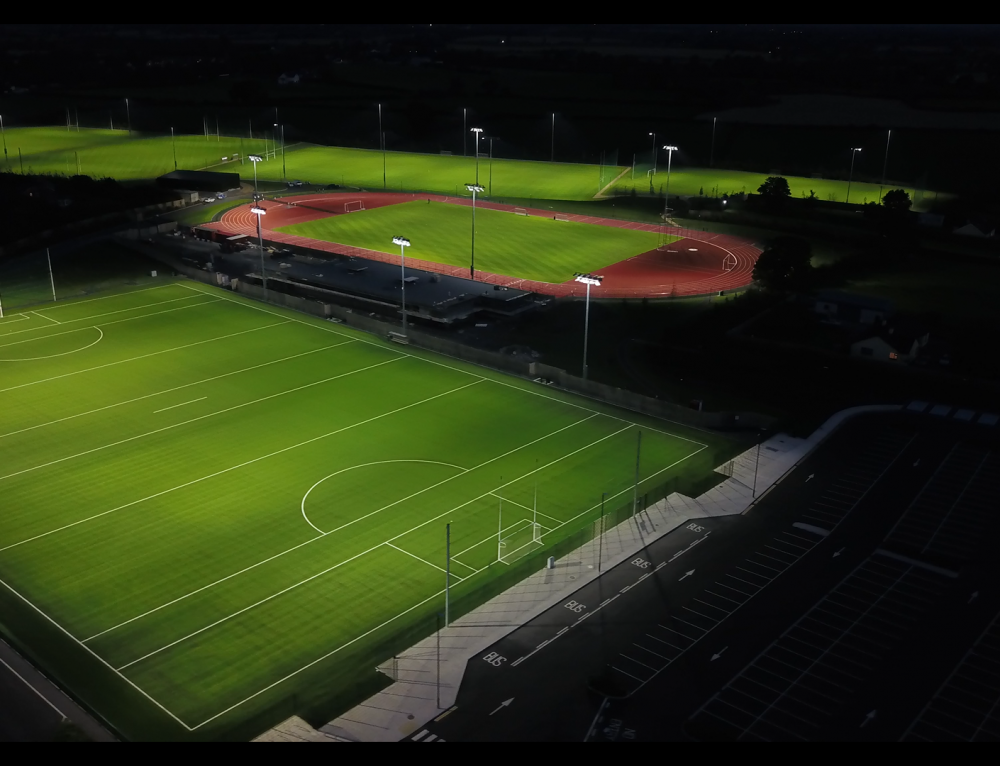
(520, 211)
(353, 207)
(729, 262)
(520, 538)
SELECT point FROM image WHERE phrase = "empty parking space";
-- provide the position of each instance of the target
(967, 706)
(956, 505)
(803, 678)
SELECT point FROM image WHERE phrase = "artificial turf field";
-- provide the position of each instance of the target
(528, 247)
(115, 154)
(217, 513)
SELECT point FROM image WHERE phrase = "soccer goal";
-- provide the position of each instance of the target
(520, 211)
(353, 207)
(519, 540)
(729, 262)
(560, 218)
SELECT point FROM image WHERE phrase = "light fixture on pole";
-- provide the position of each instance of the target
(255, 158)
(473, 188)
(128, 117)
(854, 152)
(588, 280)
(403, 243)
(885, 165)
(258, 211)
(654, 152)
(670, 151)
(477, 131)
(173, 145)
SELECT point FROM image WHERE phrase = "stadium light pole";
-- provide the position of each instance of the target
(284, 174)
(477, 131)
(128, 117)
(588, 280)
(258, 212)
(383, 162)
(711, 155)
(403, 243)
(670, 151)
(173, 146)
(850, 177)
(473, 188)
(490, 186)
(465, 152)
(884, 166)
(654, 152)
(553, 157)
(380, 126)
(255, 158)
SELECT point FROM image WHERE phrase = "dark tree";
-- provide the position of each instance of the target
(784, 264)
(774, 188)
(897, 200)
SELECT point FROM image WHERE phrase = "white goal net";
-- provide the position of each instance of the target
(353, 207)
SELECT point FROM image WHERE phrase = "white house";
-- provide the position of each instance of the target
(891, 345)
(838, 307)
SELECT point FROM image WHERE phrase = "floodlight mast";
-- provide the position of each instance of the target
(854, 153)
(403, 243)
(255, 158)
(173, 145)
(477, 131)
(588, 280)
(473, 188)
(258, 212)
(654, 152)
(666, 202)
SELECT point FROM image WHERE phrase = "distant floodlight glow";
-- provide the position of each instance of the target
(589, 279)
(255, 158)
(670, 148)
(401, 241)
(475, 188)
(475, 130)
(258, 210)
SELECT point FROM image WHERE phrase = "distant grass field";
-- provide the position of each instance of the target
(218, 514)
(715, 182)
(115, 154)
(519, 246)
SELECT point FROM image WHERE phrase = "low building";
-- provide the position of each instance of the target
(891, 344)
(838, 307)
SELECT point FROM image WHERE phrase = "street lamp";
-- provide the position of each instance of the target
(854, 152)
(654, 152)
(255, 158)
(173, 145)
(259, 211)
(477, 131)
(670, 152)
(403, 243)
(588, 280)
(473, 188)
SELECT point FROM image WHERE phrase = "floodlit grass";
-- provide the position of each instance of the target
(712, 183)
(520, 246)
(217, 515)
(115, 154)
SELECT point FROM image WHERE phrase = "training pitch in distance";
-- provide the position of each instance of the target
(217, 514)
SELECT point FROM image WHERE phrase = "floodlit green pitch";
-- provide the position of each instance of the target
(519, 246)
(115, 154)
(217, 514)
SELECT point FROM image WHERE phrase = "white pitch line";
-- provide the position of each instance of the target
(94, 654)
(185, 385)
(121, 361)
(195, 420)
(106, 314)
(235, 467)
(250, 304)
(425, 561)
(182, 404)
(45, 317)
(314, 539)
(100, 337)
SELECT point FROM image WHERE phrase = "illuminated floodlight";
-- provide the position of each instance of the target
(401, 241)
(475, 188)
(258, 210)
(255, 158)
(670, 148)
(589, 279)
(475, 130)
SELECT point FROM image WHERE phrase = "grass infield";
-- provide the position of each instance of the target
(528, 247)
(218, 514)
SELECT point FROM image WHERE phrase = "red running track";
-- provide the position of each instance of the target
(693, 265)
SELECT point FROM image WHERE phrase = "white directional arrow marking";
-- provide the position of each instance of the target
(916, 463)
(868, 718)
(716, 656)
(839, 552)
(686, 575)
(974, 596)
(502, 705)
(810, 476)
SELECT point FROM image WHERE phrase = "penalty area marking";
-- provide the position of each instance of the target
(45, 317)
(365, 465)
(11, 318)
(64, 353)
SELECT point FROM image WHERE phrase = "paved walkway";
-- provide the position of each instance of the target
(411, 701)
